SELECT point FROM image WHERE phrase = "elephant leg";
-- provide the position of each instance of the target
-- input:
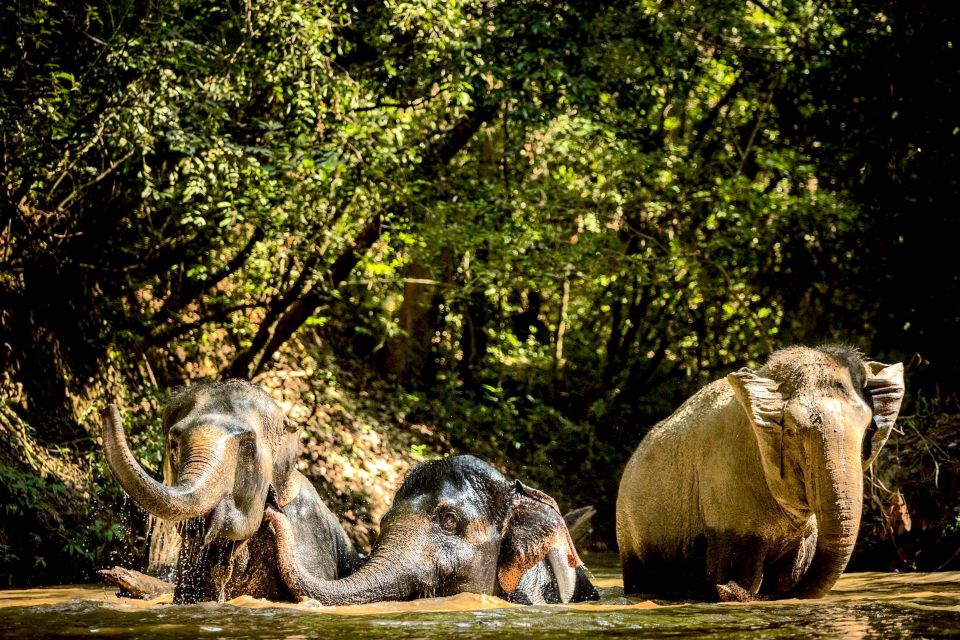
(632, 582)
(677, 574)
(655, 576)
(734, 557)
(783, 572)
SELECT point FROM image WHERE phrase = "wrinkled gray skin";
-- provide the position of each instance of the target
(757, 479)
(231, 450)
(456, 525)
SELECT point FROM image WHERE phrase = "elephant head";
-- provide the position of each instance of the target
(820, 416)
(456, 525)
(226, 443)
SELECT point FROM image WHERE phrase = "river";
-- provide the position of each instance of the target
(862, 605)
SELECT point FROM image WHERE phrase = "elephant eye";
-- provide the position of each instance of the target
(248, 447)
(449, 523)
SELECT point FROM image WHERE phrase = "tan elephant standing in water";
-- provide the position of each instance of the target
(757, 479)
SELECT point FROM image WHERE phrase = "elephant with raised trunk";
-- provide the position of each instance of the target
(231, 452)
(757, 479)
(456, 525)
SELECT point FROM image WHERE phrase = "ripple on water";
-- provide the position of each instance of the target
(862, 606)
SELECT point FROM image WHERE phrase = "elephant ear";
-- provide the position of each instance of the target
(884, 392)
(760, 397)
(534, 529)
(763, 401)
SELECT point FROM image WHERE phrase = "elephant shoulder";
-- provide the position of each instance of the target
(686, 427)
(708, 406)
(322, 538)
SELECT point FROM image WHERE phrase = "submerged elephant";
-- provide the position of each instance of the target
(757, 479)
(231, 451)
(456, 525)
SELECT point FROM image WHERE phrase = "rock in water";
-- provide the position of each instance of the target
(134, 584)
(578, 524)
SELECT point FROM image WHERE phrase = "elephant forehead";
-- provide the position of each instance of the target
(462, 498)
(230, 397)
(824, 369)
(223, 423)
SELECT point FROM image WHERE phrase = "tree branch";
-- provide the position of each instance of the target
(296, 311)
(303, 308)
(194, 288)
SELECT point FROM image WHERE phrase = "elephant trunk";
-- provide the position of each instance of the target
(837, 500)
(202, 481)
(382, 578)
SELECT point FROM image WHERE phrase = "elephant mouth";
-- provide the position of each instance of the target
(208, 530)
(229, 522)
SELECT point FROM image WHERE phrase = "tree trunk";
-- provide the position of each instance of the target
(409, 355)
(561, 324)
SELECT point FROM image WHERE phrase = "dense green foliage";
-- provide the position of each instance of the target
(536, 225)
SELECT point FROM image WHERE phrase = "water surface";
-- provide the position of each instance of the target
(862, 605)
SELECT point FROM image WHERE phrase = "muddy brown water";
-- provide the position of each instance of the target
(862, 605)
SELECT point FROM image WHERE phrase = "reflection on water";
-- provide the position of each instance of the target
(863, 605)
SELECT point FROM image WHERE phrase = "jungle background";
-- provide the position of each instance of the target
(524, 229)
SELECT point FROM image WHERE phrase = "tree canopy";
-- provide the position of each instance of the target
(537, 225)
